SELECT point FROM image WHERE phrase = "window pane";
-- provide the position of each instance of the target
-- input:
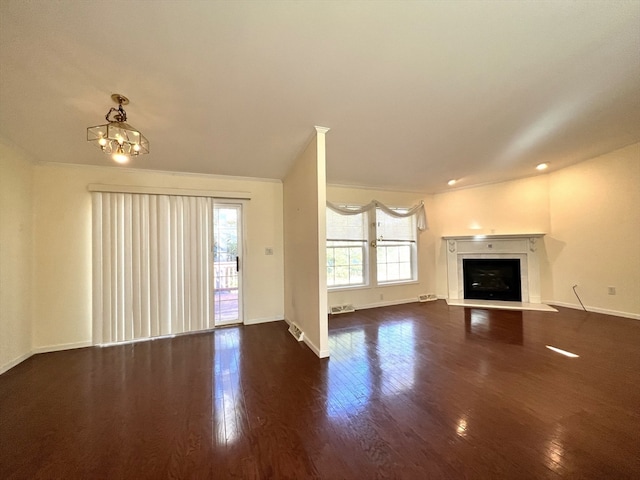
(395, 261)
(393, 271)
(357, 275)
(405, 270)
(382, 272)
(345, 263)
(341, 256)
(355, 256)
(342, 275)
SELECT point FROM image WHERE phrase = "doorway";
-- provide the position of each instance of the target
(227, 263)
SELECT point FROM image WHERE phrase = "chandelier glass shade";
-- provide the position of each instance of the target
(117, 138)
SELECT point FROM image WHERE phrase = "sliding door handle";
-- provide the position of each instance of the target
(237, 264)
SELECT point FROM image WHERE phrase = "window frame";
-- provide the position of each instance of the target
(370, 250)
(362, 244)
(413, 250)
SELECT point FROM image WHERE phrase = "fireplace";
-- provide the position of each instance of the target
(492, 279)
(498, 250)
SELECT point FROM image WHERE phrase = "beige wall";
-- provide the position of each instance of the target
(589, 212)
(519, 206)
(595, 232)
(305, 246)
(62, 284)
(16, 216)
(389, 294)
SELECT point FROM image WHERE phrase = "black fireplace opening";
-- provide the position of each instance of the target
(492, 279)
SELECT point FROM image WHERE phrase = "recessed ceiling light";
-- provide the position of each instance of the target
(451, 182)
(562, 352)
(542, 166)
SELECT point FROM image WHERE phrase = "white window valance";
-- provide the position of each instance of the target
(417, 210)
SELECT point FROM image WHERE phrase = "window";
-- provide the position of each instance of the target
(346, 252)
(392, 258)
(395, 247)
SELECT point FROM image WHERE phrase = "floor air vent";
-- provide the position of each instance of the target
(427, 297)
(296, 332)
(348, 308)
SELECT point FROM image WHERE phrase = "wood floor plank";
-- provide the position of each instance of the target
(414, 391)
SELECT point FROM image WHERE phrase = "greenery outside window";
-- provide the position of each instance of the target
(346, 250)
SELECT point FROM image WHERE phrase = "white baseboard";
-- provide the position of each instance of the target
(61, 346)
(47, 349)
(315, 349)
(386, 303)
(14, 362)
(255, 321)
(615, 313)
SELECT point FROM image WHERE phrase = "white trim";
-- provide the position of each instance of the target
(311, 345)
(164, 172)
(373, 188)
(590, 309)
(8, 366)
(185, 192)
(386, 303)
(496, 236)
(61, 346)
(256, 321)
(315, 349)
(508, 246)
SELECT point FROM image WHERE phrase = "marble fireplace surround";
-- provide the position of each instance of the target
(523, 247)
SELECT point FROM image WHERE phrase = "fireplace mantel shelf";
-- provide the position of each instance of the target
(494, 236)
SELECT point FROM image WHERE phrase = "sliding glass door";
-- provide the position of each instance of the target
(227, 263)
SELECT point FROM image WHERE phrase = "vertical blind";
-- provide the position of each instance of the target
(151, 265)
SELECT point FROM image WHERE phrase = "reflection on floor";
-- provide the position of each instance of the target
(414, 391)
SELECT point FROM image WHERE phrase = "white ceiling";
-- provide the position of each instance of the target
(415, 93)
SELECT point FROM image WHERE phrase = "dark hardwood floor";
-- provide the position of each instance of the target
(417, 391)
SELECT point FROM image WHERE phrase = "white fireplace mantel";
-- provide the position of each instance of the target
(516, 246)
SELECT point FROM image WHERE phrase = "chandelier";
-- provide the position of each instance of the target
(117, 138)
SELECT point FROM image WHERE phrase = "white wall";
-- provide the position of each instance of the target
(62, 281)
(16, 216)
(389, 294)
(305, 245)
(595, 232)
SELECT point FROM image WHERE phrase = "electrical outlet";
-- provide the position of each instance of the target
(611, 290)
(382, 296)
